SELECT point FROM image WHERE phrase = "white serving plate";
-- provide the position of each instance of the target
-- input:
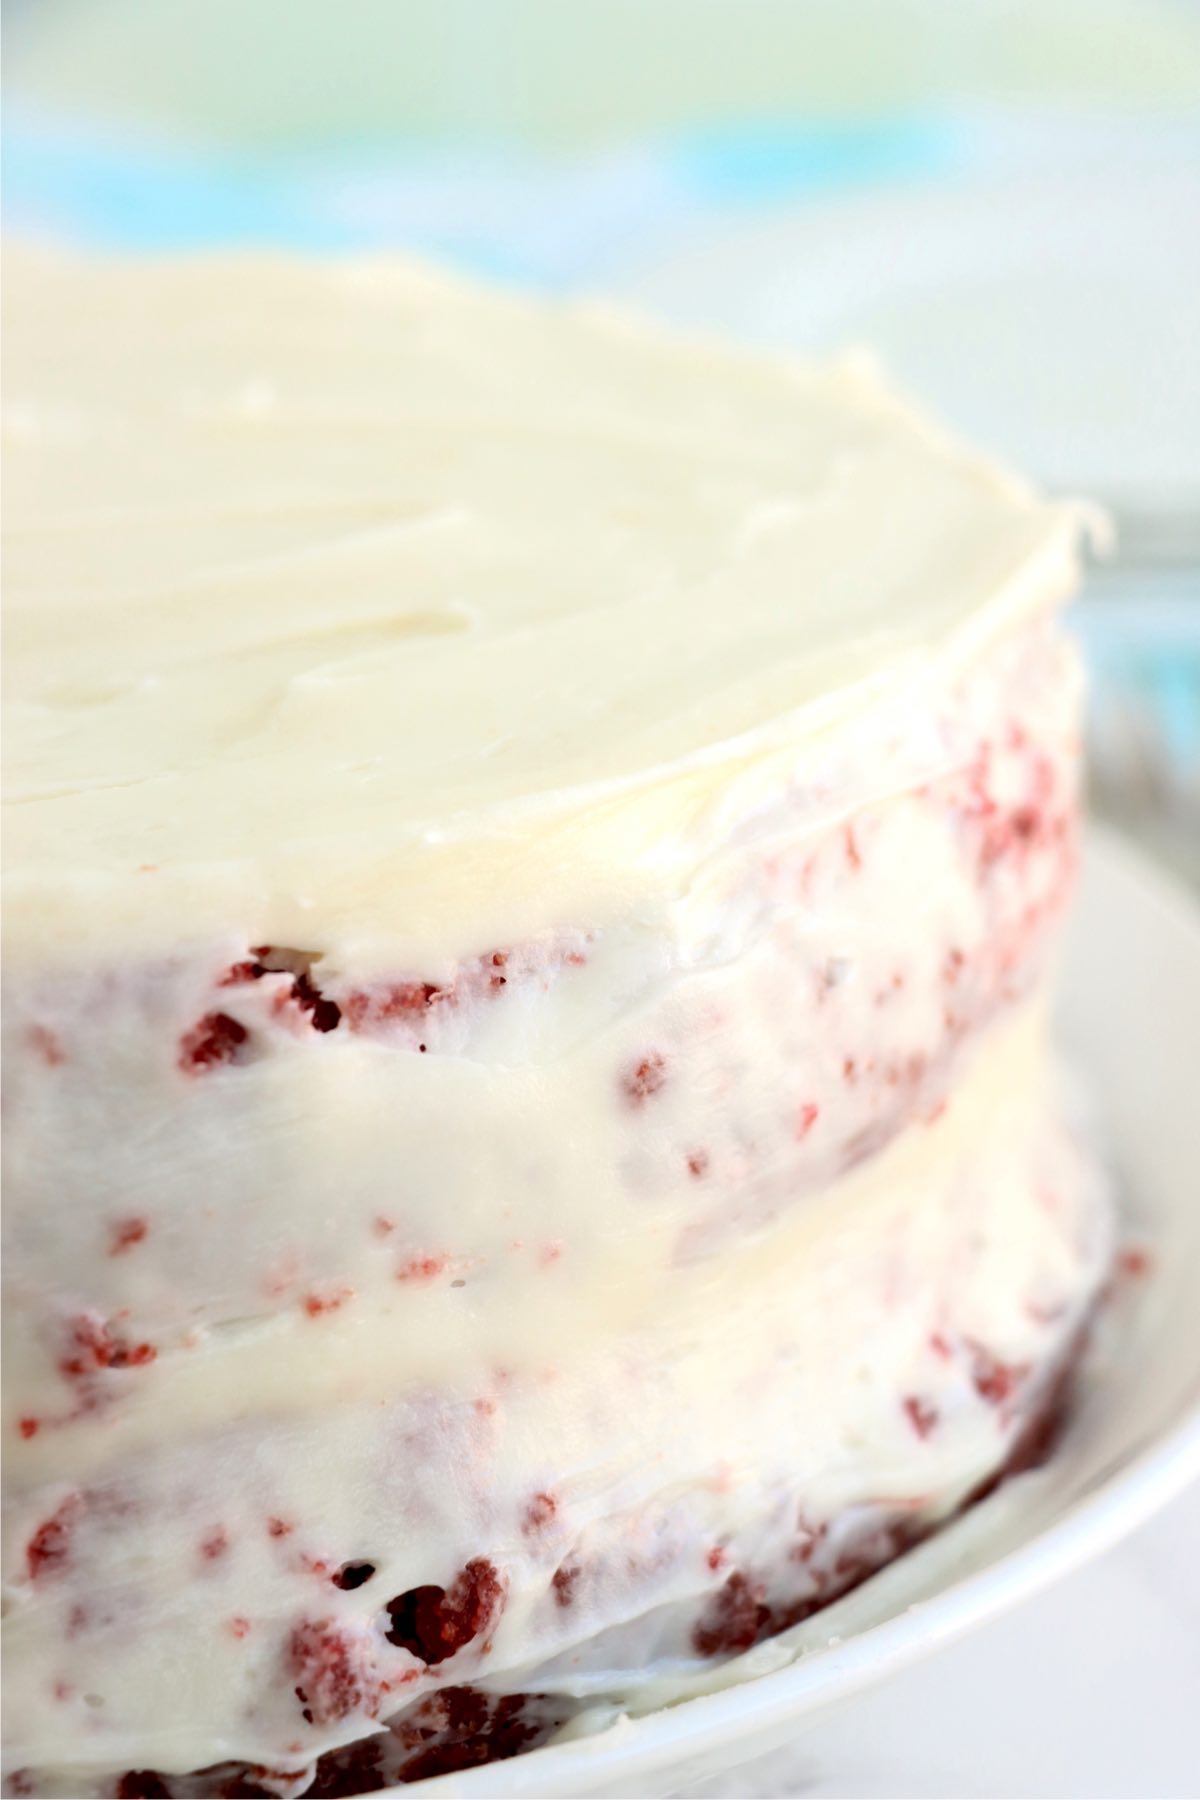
(1130, 1017)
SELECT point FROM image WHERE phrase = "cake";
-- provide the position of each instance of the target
(535, 849)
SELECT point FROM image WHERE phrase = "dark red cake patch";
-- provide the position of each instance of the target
(435, 1623)
(355, 1769)
(352, 1575)
(737, 1618)
(215, 1040)
(460, 1728)
(324, 1015)
(142, 1784)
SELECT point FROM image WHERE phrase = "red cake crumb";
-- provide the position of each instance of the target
(49, 1548)
(434, 1623)
(715, 1557)
(994, 1380)
(853, 854)
(806, 1118)
(410, 1004)
(241, 973)
(334, 1673)
(645, 1078)
(47, 1046)
(736, 1618)
(239, 1627)
(93, 1344)
(1134, 1261)
(315, 1304)
(28, 1427)
(422, 1268)
(124, 1234)
(215, 1544)
(279, 1528)
(921, 1414)
(697, 1163)
(403, 1001)
(216, 1039)
(539, 1513)
(563, 1583)
(415, 997)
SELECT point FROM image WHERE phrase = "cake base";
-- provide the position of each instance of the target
(463, 1727)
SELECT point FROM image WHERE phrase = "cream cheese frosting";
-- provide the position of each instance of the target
(329, 583)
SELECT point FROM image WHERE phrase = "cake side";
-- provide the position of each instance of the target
(456, 1166)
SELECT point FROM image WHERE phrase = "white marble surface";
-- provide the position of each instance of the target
(1091, 1691)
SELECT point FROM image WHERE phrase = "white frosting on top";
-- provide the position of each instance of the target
(337, 595)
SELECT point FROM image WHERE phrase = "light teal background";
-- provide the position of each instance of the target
(294, 75)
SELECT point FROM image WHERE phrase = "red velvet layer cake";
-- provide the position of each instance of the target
(535, 849)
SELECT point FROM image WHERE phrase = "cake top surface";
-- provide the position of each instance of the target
(313, 569)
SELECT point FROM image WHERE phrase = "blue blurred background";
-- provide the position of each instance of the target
(1001, 196)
